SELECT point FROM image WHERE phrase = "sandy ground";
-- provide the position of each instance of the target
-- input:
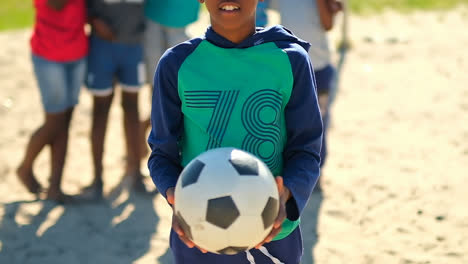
(395, 186)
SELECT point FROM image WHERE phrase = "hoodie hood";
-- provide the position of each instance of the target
(262, 35)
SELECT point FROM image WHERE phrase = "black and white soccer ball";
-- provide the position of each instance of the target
(226, 200)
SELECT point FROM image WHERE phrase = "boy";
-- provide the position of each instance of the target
(116, 54)
(59, 48)
(310, 19)
(245, 88)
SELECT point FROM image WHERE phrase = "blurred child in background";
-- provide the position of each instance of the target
(262, 16)
(166, 22)
(116, 56)
(310, 20)
(59, 48)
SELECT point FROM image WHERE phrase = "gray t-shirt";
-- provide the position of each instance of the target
(303, 18)
(124, 17)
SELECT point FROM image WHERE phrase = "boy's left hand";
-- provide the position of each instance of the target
(284, 195)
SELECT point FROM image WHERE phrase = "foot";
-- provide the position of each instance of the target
(59, 197)
(93, 191)
(28, 179)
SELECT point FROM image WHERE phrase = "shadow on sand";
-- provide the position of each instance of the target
(309, 222)
(310, 215)
(115, 230)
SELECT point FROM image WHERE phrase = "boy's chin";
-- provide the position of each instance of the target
(232, 24)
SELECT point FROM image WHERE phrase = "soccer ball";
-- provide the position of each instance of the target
(226, 200)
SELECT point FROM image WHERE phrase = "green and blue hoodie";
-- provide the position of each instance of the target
(258, 95)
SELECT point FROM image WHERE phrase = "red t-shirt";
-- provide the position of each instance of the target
(59, 35)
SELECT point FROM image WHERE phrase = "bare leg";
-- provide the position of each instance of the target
(101, 107)
(144, 126)
(132, 138)
(41, 137)
(59, 147)
(323, 99)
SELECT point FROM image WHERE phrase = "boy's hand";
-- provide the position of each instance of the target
(175, 224)
(284, 195)
(102, 30)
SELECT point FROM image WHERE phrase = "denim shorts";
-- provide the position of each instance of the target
(325, 78)
(110, 60)
(59, 82)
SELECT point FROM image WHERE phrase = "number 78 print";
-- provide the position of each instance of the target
(260, 116)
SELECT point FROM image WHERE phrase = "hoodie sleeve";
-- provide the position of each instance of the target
(304, 130)
(167, 118)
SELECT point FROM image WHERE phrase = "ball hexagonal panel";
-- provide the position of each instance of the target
(191, 173)
(270, 212)
(245, 166)
(232, 250)
(222, 212)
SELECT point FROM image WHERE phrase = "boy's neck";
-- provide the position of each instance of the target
(236, 35)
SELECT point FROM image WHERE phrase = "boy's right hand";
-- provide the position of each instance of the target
(175, 224)
(102, 30)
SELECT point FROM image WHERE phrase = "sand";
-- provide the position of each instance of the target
(395, 185)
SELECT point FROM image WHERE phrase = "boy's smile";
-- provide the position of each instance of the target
(229, 7)
(233, 19)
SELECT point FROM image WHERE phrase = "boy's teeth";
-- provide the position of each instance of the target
(230, 8)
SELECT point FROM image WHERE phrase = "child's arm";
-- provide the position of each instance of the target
(102, 29)
(304, 130)
(167, 124)
(164, 162)
(327, 10)
(302, 152)
(99, 26)
(57, 4)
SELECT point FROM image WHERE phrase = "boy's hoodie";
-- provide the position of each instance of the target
(258, 95)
